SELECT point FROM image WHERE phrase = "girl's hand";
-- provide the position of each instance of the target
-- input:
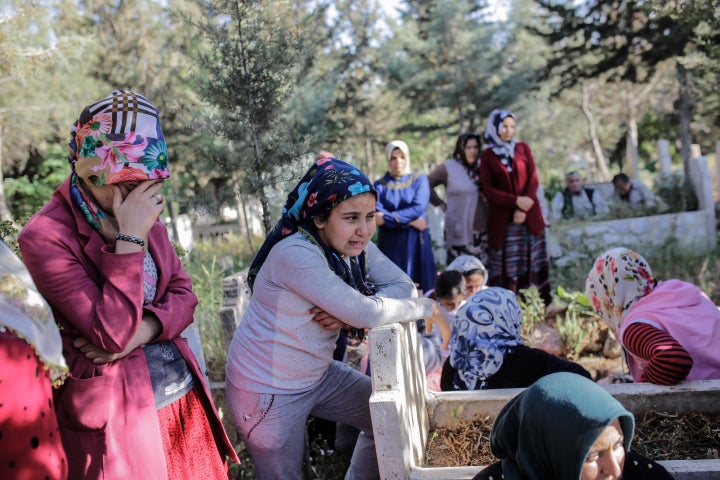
(440, 320)
(327, 321)
(519, 217)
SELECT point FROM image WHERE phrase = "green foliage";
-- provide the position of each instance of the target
(30, 191)
(577, 322)
(676, 191)
(533, 310)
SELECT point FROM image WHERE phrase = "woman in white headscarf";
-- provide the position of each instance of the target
(31, 362)
(403, 235)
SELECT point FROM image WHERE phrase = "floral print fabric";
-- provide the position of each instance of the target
(118, 139)
(485, 328)
(619, 277)
(24, 311)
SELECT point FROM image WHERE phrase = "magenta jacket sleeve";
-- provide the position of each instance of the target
(97, 293)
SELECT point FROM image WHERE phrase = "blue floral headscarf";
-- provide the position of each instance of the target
(485, 328)
(492, 140)
(326, 184)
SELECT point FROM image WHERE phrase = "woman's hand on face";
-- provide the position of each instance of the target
(419, 224)
(327, 321)
(96, 354)
(137, 212)
(440, 320)
(519, 217)
(524, 203)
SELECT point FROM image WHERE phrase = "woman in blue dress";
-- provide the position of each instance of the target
(403, 236)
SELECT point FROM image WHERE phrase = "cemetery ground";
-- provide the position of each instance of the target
(581, 336)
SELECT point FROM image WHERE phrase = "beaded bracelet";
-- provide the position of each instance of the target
(130, 238)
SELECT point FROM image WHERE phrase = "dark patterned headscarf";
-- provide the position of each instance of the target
(473, 171)
(326, 184)
(504, 150)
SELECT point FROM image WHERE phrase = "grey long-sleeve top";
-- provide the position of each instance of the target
(278, 347)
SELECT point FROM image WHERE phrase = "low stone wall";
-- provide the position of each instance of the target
(574, 242)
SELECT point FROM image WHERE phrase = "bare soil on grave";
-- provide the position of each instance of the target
(658, 435)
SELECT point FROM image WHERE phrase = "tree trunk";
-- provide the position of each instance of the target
(4, 209)
(631, 154)
(601, 173)
(368, 149)
(685, 108)
(243, 217)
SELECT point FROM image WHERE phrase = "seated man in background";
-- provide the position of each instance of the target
(633, 192)
(576, 200)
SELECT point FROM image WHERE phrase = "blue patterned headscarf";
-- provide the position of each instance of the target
(485, 328)
(548, 429)
(492, 140)
(325, 185)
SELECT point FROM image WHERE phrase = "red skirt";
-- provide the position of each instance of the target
(191, 452)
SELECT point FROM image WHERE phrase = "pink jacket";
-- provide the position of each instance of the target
(107, 414)
(685, 313)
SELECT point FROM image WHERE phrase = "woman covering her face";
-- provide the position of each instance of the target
(516, 228)
(317, 271)
(669, 330)
(135, 405)
(566, 427)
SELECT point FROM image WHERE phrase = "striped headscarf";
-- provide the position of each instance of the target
(118, 139)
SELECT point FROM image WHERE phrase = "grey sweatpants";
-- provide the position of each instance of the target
(273, 425)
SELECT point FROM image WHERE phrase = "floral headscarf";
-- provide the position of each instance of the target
(547, 430)
(117, 139)
(492, 140)
(485, 328)
(619, 277)
(402, 146)
(326, 184)
(24, 311)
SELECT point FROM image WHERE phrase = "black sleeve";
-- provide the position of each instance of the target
(449, 378)
(523, 366)
(639, 467)
(492, 471)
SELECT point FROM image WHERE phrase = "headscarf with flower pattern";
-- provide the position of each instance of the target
(619, 277)
(118, 138)
(491, 138)
(24, 311)
(485, 328)
(115, 139)
(326, 184)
